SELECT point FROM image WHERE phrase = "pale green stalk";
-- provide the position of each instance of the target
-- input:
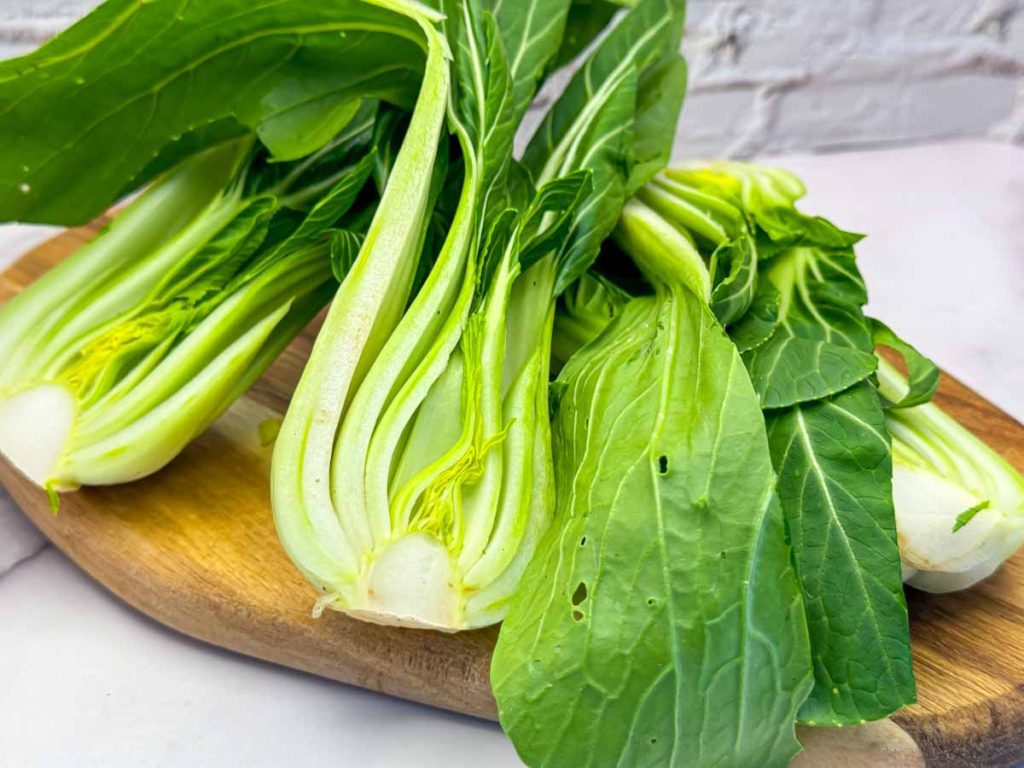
(314, 528)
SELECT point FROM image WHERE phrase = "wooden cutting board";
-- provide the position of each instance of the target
(194, 547)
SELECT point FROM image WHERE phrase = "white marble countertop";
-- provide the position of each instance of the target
(86, 681)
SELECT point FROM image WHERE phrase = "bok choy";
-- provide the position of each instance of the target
(412, 476)
(695, 535)
(127, 350)
(131, 347)
(787, 288)
(959, 505)
(661, 622)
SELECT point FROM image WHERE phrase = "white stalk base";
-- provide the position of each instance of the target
(935, 558)
(35, 425)
(412, 583)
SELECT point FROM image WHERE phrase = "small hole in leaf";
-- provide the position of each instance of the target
(654, 740)
(577, 614)
(651, 601)
(663, 465)
(580, 594)
(583, 541)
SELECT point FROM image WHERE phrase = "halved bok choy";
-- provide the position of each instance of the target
(412, 476)
(959, 504)
(127, 350)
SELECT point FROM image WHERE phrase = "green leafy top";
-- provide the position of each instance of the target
(144, 84)
(787, 286)
(618, 112)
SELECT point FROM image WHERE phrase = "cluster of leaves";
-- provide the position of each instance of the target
(855, 450)
(787, 288)
(751, 368)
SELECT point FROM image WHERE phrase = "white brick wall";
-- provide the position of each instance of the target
(784, 75)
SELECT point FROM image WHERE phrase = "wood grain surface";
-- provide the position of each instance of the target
(194, 547)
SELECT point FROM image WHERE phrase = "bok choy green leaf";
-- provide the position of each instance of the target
(793, 307)
(149, 83)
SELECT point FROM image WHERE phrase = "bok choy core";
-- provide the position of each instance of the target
(127, 350)
(364, 312)
(412, 475)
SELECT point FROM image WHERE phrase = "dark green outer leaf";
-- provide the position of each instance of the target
(208, 135)
(134, 76)
(586, 20)
(519, 186)
(608, 144)
(686, 644)
(326, 185)
(551, 215)
(532, 31)
(835, 480)
(735, 279)
(203, 279)
(660, 98)
(831, 449)
(789, 227)
(592, 126)
(337, 200)
(482, 88)
(636, 42)
(303, 181)
(305, 127)
(822, 344)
